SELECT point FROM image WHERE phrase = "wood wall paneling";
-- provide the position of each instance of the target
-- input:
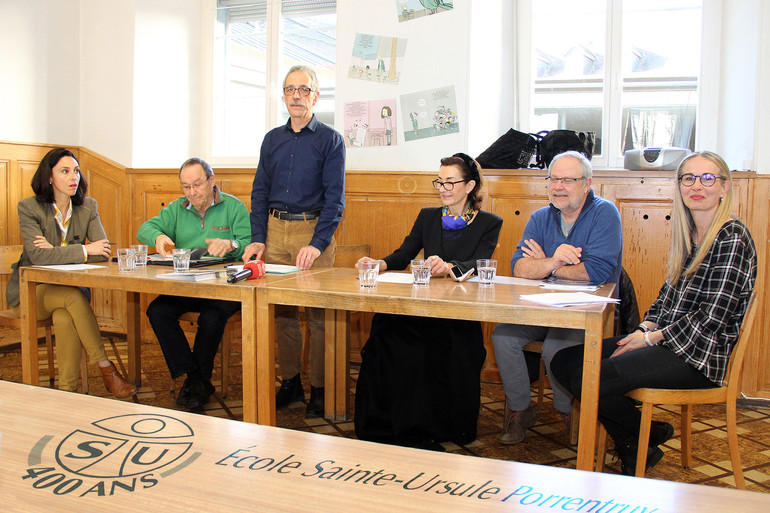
(381, 208)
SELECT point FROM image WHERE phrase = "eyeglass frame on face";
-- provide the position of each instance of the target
(303, 91)
(566, 182)
(693, 177)
(187, 189)
(438, 184)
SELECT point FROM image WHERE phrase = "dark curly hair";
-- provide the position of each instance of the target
(41, 180)
(470, 171)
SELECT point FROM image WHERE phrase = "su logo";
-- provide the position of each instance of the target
(125, 446)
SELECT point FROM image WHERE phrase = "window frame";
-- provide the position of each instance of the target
(706, 132)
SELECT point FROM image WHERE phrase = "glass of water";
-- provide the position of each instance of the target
(367, 273)
(141, 254)
(181, 259)
(126, 259)
(420, 272)
(487, 270)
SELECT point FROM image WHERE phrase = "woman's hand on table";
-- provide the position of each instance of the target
(437, 265)
(99, 248)
(383, 264)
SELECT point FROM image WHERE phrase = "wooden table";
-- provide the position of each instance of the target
(338, 291)
(133, 283)
(111, 455)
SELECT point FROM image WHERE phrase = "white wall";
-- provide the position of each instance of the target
(107, 52)
(436, 56)
(738, 82)
(762, 113)
(40, 62)
(167, 96)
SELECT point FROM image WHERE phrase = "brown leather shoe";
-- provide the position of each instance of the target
(115, 383)
(516, 424)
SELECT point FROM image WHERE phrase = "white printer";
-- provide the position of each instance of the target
(666, 159)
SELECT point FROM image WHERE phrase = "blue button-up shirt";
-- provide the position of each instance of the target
(299, 172)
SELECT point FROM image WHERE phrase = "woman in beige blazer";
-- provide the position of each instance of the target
(60, 225)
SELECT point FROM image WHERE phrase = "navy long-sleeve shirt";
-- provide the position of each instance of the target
(300, 172)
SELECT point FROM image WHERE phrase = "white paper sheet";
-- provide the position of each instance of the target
(395, 278)
(71, 267)
(567, 299)
(271, 268)
(508, 280)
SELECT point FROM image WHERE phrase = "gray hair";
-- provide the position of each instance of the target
(307, 69)
(586, 169)
(195, 160)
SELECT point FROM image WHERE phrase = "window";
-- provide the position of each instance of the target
(255, 44)
(628, 70)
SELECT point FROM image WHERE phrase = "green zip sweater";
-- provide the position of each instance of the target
(227, 219)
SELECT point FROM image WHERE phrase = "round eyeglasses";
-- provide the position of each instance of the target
(565, 181)
(448, 186)
(303, 91)
(706, 179)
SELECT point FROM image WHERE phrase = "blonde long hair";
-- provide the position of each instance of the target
(683, 226)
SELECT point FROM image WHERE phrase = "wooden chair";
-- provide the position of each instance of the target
(727, 394)
(345, 256)
(230, 337)
(10, 255)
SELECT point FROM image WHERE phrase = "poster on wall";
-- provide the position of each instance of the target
(370, 123)
(413, 9)
(429, 113)
(377, 58)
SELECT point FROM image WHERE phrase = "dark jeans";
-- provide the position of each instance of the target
(164, 313)
(650, 367)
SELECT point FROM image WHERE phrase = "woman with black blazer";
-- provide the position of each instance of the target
(60, 225)
(419, 383)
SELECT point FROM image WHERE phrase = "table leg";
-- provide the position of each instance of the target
(259, 361)
(134, 338)
(590, 395)
(337, 366)
(28, 311)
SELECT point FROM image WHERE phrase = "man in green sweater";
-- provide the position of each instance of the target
(204, 217)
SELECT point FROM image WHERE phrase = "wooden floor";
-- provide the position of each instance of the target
(546, 443)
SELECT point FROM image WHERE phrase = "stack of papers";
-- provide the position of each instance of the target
(271, 268)
(197, 275)
(568, 299)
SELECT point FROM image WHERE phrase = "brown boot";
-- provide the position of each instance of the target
(115, 383)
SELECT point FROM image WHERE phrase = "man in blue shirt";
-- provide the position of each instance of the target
(297, 201)
(578, 236)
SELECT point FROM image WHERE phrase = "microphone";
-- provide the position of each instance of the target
(251, 270)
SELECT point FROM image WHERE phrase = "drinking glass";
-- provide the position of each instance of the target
(141, 254)
(420, 272)
(126, 259)
(181, 259)
(367, 273)
(487, 270)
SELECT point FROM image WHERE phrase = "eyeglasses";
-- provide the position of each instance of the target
(194, 187)
(565, 181)
(706, 179)
(303, 91)
(448, 186)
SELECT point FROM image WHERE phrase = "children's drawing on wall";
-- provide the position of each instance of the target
(370, 123)
(377, 58)
(429, 113)
(413, 9)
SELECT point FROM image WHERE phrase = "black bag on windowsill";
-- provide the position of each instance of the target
(513, 150)
(554, 142)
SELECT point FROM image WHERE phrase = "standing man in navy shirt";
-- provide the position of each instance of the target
(296, 204)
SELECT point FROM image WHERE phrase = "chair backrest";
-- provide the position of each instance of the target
(347, 256)
(627, 313)
(9, 255)
(735, 366)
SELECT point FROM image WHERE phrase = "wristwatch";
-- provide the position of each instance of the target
(234, 244)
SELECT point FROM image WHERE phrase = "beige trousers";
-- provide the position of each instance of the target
(284, 240)
(74, 324)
